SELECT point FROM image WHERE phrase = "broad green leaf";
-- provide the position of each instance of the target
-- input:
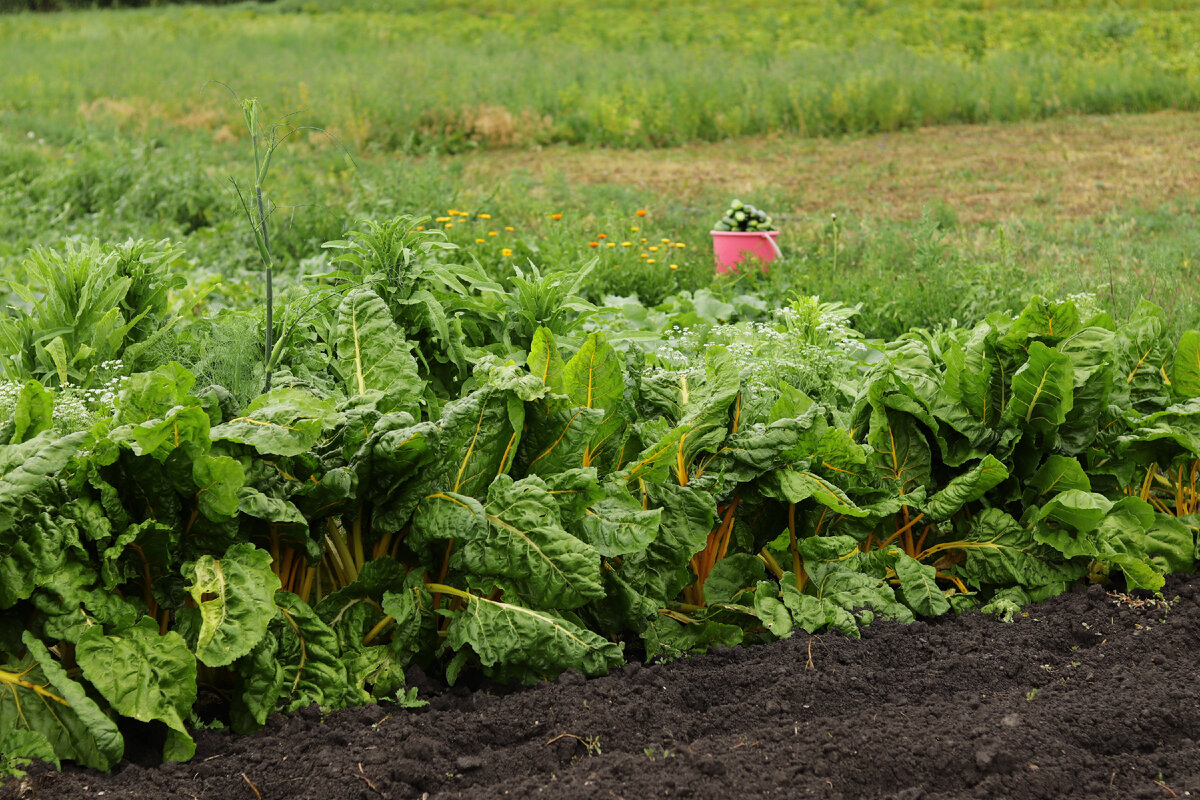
(730, 575)
(25, 468)
(524, 542)
(617, 525)
(527, 644)
(23, 743)
(1059, 474)
(999, 552)
(559, 437)
(285, 422)
(310, 656)
(966, 488)
(594, 379)
(1171, 545)
(1081, 510)
(1185, 372)
(32, 551)
(661, 570)
(372, 353)
(863, 596)
(182, 426)
(39, 696)
(32, 414)
(546, 362)
(795, 486)
(218, 479)
(1043, 319)
(666, 638)
(235, 596)
(479, 437)
(918, 587)
(902, 454)
(1042, 390)
(254, 503)
(144, 675)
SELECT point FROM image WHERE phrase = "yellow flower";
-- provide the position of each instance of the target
(626, 244)
(492, 233)
(442, 219)
(420, 227)
(635, 230)
(645, 255)
(485, 216)
(508, 227)
(449, 224)
(666, 241)
(452, 212)
(653, 249)
(681, 244)
(612, 244)
(506, 252)
(651, 261)
(481, 241)
(674, 266)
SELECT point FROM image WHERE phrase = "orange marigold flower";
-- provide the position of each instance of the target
(556, 216)
(602, 236)
(641, 212)
(593, 244)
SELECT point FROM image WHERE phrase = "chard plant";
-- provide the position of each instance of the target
(311, 545)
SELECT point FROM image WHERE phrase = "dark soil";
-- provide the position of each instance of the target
(1090, 695)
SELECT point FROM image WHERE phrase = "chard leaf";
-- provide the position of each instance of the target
(218, 479)
(372, 353)
(730, 575)
(862, 595)
(1000, 552)
(1185, 372)
(1170, 545)
(966, 488)
(667, 638)
(559, 437)
(43, 699)
(310, 656)
(1043, 319)
(902, 454)
(1059, 474)
(527, 644)
(617, 525)
(479, 436)
(235, 597)
(34, 550)
(796, 486)
(32, 414)
(144, 675)
(1081, 510)
(546, 362)
(593, 379)
(285, 422)
(525, 542)
(918, 586)
(1042, 390)
(661, 570)
(25, 469)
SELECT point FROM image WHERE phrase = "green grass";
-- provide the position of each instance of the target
(468, 74)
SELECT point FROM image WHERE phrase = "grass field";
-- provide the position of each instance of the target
(110, 128)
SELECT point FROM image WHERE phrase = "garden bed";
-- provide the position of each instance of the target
(1090, 694)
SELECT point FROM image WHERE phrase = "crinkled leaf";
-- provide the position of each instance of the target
(144, 675)
(235, 597)
(1185, 371)
(966, 488)
(284, 422)
(918, 587)
(528, 644)
(372, 353)
(1042, 390)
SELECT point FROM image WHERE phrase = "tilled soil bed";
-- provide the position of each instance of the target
(1092, 694)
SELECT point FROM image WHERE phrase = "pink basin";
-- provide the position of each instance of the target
(733, 247)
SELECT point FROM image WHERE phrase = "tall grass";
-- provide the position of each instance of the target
(454, 76)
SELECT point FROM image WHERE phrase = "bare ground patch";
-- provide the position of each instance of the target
(1064, 168)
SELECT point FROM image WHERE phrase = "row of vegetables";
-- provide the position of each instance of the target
(569, 504)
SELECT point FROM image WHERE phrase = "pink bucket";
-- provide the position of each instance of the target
(732, 247)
